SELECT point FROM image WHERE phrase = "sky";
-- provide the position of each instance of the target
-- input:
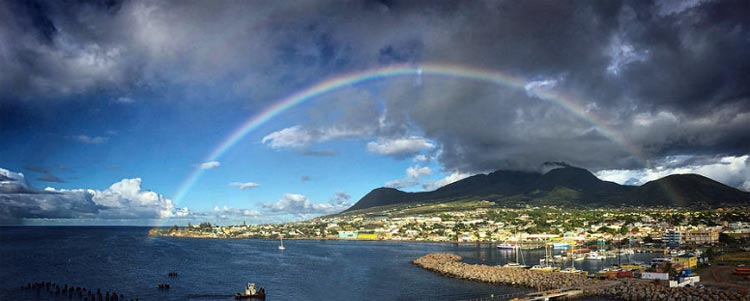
(176, 112)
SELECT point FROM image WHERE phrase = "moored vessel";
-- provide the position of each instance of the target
(251, 293)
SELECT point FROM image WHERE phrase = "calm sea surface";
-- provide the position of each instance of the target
(128, 261)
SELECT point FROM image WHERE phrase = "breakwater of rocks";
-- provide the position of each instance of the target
(637, 289)
(451, 265)
(624, 289)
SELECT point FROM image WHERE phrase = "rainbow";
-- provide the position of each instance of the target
(345, 80)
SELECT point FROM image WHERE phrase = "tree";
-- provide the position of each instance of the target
(725, 238)
(623, 230)
(710, 253)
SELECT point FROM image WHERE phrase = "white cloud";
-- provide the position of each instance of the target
(297, 137)
(291, 137)
(534, 87)
(731, 170)
(245, 185)
(669, 7)
(226, 212)
(299, 204)
(12, 181)
(210, 165)
(122, 200)
(416, 171)
(127, 199)
(91, 140)
(453, 177)
(399, 146)
(421, 158)
(622, 54)
(413, 173)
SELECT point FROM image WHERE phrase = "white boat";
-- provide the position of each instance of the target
(660, 260)
(573, 270)
(515, 265)
(594, 255)
(545, 269)
(281, 246)
(506, 246)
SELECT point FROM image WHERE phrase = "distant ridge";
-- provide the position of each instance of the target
(567, 185)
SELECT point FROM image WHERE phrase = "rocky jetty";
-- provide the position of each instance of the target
(624, 289)
(636, 289)
(451, 265)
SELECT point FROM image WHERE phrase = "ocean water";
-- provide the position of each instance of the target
(127, 261)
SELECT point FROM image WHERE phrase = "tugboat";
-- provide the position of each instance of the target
(251, 293)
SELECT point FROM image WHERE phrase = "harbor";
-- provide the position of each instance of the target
(625, 288)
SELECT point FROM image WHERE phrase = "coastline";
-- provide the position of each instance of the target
(157, 233)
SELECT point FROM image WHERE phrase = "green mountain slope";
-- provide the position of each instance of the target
(570, 186)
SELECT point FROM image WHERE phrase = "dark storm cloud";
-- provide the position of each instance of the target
(666, 78)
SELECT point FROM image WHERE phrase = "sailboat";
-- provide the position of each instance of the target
(281, 246)
(546, 267)
(517, 248)
(572, 269)
(517, 264)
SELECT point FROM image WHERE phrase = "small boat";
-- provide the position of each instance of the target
(281, 247)
(515, 265)
(506, 246)
(251, 293)
(595, 256)
(573, 270)
(546, 269)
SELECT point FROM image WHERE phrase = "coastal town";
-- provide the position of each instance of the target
(483, 223)
(690, 240)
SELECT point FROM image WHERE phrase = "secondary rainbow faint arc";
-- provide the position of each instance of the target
(348, 79)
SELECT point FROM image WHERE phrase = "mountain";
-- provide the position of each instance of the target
(688, 190)
(566, 185)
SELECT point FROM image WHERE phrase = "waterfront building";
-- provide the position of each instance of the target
(699, 236)
(686, 261)
(671, 237)
(347, 234)
(368, 236)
